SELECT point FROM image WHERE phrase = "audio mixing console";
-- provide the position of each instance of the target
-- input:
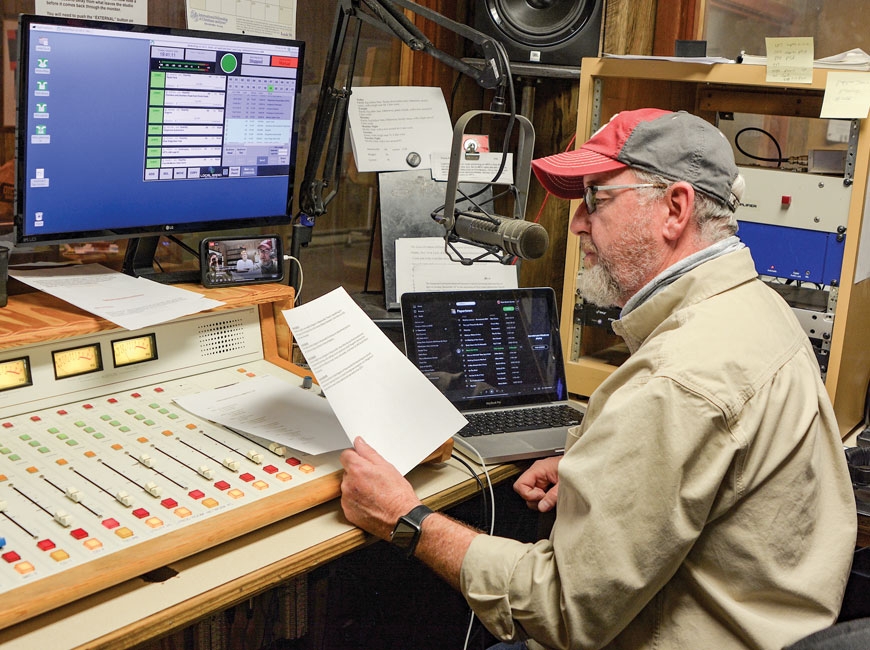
(104, 478)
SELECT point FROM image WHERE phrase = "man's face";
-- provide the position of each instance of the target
(618, 241)
(264, 255)
(244, 253)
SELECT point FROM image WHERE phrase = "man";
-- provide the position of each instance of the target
(704, 502)
(243, 264)
(266, 265)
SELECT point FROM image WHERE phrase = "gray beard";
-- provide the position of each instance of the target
(598, 286)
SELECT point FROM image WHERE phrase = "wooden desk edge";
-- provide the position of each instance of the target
(234, 592)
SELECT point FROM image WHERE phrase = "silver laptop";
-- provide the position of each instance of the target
(495, 354)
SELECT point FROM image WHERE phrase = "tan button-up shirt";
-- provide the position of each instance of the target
(704, 502)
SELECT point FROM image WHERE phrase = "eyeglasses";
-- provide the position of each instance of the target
(590, 190)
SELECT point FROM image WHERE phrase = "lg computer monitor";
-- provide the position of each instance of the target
(130, 131)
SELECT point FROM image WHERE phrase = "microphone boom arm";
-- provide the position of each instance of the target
(331, 116)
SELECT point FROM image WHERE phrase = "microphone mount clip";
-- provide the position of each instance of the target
(519, 189)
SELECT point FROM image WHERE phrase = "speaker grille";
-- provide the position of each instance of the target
(540, 22)
(221, 336)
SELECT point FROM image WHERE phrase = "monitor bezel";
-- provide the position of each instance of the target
(144, 230)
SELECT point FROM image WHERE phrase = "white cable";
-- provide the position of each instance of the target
(301, 276)
(491, 528)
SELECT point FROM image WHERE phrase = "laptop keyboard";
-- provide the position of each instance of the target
(542, 417)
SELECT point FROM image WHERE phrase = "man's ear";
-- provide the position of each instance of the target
(680, 203)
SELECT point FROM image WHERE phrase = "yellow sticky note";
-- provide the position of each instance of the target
(847, 95)
(790, 60)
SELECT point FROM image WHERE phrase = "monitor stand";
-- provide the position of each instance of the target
(139, 262)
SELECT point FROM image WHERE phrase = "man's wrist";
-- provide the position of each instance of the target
(409, 527)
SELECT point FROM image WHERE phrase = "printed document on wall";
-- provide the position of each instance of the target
(397, 128)
(276, 18)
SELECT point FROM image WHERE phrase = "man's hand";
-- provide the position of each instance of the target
(539, 485)
(373, 492)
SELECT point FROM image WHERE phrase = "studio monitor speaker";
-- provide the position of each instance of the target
(553, 32)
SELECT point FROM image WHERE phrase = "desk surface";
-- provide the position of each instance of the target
(135, 611)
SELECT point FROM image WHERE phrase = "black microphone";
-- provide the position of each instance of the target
(524, 239)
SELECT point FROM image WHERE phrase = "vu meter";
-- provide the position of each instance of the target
(15, 373)
(134, 350)
(77, 361)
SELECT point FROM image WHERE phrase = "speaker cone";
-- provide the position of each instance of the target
(539, 22)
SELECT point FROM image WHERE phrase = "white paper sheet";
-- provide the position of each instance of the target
(273, 18)
(482, 170)
(375, 391)
(394, 127)
(706, 60)
(118, 11)
(267, 407)
(129, 302)
(422, 265)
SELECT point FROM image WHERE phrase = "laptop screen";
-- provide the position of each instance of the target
(487, 348)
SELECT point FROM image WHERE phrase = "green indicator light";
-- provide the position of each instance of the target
(229, 63)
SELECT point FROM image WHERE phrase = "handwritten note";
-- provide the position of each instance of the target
(790, 60)
(396, 128)
(847, 95)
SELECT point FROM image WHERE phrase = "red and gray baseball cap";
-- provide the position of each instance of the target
(679, 146)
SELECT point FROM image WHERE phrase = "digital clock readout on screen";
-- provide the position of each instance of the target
(15, 373)
(134, 350)
(73, 362)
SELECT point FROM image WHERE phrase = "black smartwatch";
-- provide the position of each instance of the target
(406, 534)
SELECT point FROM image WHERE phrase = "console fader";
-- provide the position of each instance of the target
(103, 477)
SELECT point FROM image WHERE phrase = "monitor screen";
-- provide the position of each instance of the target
(128, 130)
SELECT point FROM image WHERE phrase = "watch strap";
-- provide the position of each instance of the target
(412, 521)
